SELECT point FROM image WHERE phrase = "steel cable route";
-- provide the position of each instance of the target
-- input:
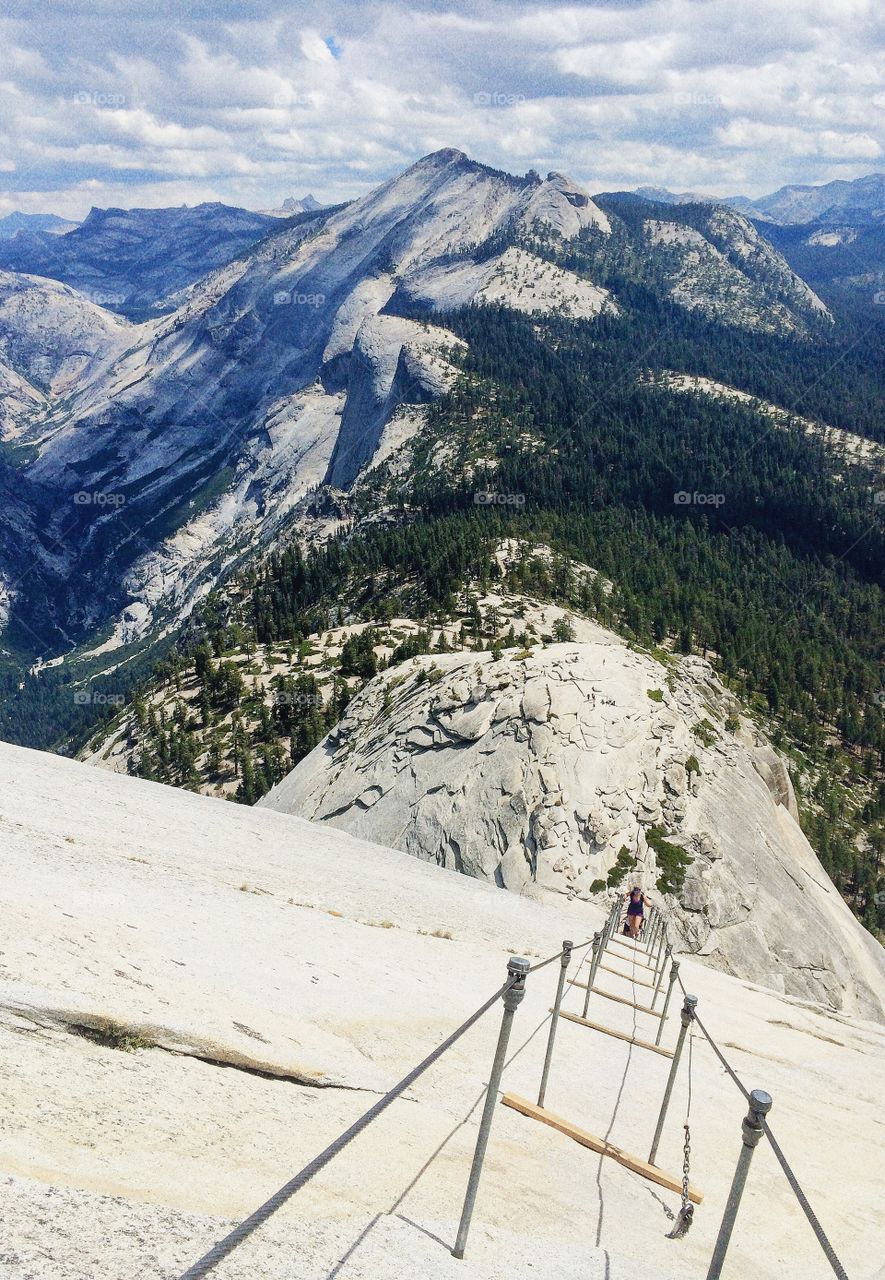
(222, 1248)
(542, 964)
(822, 1238)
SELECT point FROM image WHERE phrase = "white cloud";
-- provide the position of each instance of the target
(701, 94)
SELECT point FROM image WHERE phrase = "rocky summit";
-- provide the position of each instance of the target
(553, 771)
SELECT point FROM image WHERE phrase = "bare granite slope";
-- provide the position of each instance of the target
(533, 773)
(196, 997)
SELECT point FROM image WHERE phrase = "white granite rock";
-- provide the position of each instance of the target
(570, 796)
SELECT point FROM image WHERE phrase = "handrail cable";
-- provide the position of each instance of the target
(222, 1248)
(822, 1238)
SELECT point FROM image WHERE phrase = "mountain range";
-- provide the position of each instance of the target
(194, 434)
(856, 203)
(128, 260)
(397, 384)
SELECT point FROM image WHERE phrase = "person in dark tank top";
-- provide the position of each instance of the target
(636, 904)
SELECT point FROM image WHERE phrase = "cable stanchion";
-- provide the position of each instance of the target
(554, 1021)
(822, 1238)
(752, 1131)
(687, 1015)
(513, 994)
(674, 974)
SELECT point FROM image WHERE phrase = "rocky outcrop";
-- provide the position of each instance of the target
(393, 362)
(534, 772)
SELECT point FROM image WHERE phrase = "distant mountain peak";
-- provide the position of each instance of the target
(445, 155)
(302, 205)
(28, 223)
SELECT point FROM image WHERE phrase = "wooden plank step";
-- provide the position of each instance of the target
(634, 950)
(634, 1163)
(648, 969)
(583, 986)
(639, 953)
(629, 976)
(618, 1035)
(610, 995)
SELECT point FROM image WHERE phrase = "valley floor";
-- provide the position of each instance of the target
(271, 978)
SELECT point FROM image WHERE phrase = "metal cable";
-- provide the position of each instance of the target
(800, 1195)
(222, 1248)
(542, 964)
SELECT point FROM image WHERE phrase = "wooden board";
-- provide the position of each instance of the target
(629, 976)
(618, 1035)
(642, 1008)
(634, 1163)
(636, 957)
(636, 949)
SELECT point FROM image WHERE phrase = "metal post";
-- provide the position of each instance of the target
(594, 965)
(667, 954)
(614, 920)
(606, 934)
(652, 933)
(674, 974)
(608, 927)
(564, 961)
(517, 969)
(687, 1016)
(760, 1105)
(661, 945)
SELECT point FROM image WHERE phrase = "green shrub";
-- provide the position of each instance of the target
(624, 862)
(672, 860)
(705, 731)
(656, 695)
(112, 1035)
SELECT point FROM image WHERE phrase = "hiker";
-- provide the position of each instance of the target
(636, 904)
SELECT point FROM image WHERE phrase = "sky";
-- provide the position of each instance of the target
(152, 103)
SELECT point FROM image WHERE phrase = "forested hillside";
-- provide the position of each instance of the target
(777, 583)
(746, 537)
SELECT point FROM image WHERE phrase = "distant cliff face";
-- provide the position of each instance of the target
(536, 772)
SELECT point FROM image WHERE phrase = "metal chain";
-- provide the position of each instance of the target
(686, 1155)
(822, 1238)
(686, 1212)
